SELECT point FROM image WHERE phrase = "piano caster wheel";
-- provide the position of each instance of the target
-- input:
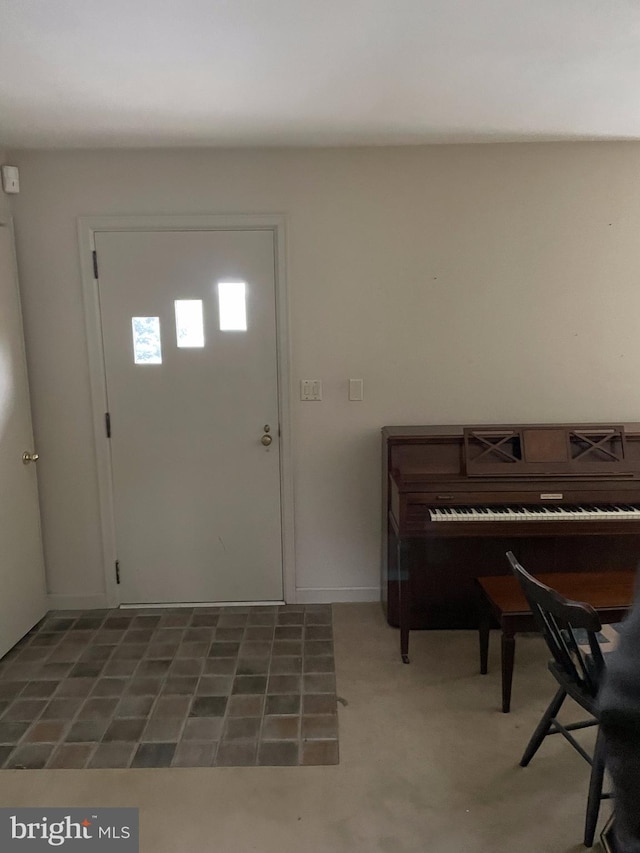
(405, 658)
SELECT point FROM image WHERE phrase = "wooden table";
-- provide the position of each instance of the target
(501, 599)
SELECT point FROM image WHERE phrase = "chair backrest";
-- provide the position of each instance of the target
(562, 622)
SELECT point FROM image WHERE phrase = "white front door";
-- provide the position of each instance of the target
(189, 336)
(22, 585)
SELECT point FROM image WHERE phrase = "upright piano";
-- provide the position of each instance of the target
(562, 497)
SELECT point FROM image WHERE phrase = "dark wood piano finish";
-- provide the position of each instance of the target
(428, 567)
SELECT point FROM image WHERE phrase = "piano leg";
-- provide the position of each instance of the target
(508, 654)
(403, 596)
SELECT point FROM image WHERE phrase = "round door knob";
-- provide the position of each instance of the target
(266, 440)
(29, 457)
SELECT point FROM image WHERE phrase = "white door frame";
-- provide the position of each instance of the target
(87, 228)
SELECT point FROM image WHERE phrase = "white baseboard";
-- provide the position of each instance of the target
(313, 595)
(78, 602)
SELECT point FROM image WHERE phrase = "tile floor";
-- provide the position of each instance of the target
(180, 687)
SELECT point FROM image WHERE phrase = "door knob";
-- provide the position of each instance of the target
(29, 457)
(266, 440)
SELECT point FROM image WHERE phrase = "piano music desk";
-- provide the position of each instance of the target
(609, 593)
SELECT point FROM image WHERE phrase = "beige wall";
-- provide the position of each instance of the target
(465, 284)
(5, 200)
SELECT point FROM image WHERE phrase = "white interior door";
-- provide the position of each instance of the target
(189, 336)
(22, 584)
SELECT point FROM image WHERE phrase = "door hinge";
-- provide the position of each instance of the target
(118, 571)
(95, 263)
(107, 423)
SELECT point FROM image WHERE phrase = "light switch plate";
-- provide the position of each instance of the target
(311, 389)
(356, 389)
(10, 179)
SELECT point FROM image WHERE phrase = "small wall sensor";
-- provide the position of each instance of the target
(10, 179)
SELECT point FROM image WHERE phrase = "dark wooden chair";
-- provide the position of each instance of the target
(570, 629)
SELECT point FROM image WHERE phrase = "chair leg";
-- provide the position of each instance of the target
(543, 727)
(595, 790)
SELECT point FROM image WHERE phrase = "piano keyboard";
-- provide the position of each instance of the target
(536, 513)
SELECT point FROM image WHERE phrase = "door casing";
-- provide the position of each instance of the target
(87, 228)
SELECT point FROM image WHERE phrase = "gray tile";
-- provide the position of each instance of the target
(319, 683)
(318, 647)
(144, 687)
(70, 756)
(291, 618)
(176, 620)
(191, 754)
(259, 633)
(198, 635)
(241, 728)
(253, 666)
(255, 649)
(223, 650)
(245, 706)
(286, 666)
(154, 755)
(99, 708)
(120, 667)
(24, 709)
(46, 731)
(172, 706)
(202, 729)
(283, 704)
(12, 732)
(11, 689)
(179, 684)
(237, 754)
(288, 632)
(283, 684)
(62, 709)
(132, 651)
(278, 753)
(193, 650)
(138, 637)
(135, 706)
(112, 755)
(287, 647)
(319, 664)
(318, 632)
(87, 731)
(281, 728)
(161, 651)
(229, 635)
(215, 685)
(90, 669)
(109, 686)
(152, 668)
(319, 703)
(220, 666)
(164, 730)
(97, 653)
(5, 752)
(249, 684)
(232, 620)
(32, 756)
(320, 726)
(75, 687)
(208, 706)
(187, 666)
(208, 620)
(53, 671)
(39, 689)
(262, 618)
(125, 730)
(320, 752)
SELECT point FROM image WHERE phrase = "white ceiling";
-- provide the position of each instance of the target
(316, 72)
